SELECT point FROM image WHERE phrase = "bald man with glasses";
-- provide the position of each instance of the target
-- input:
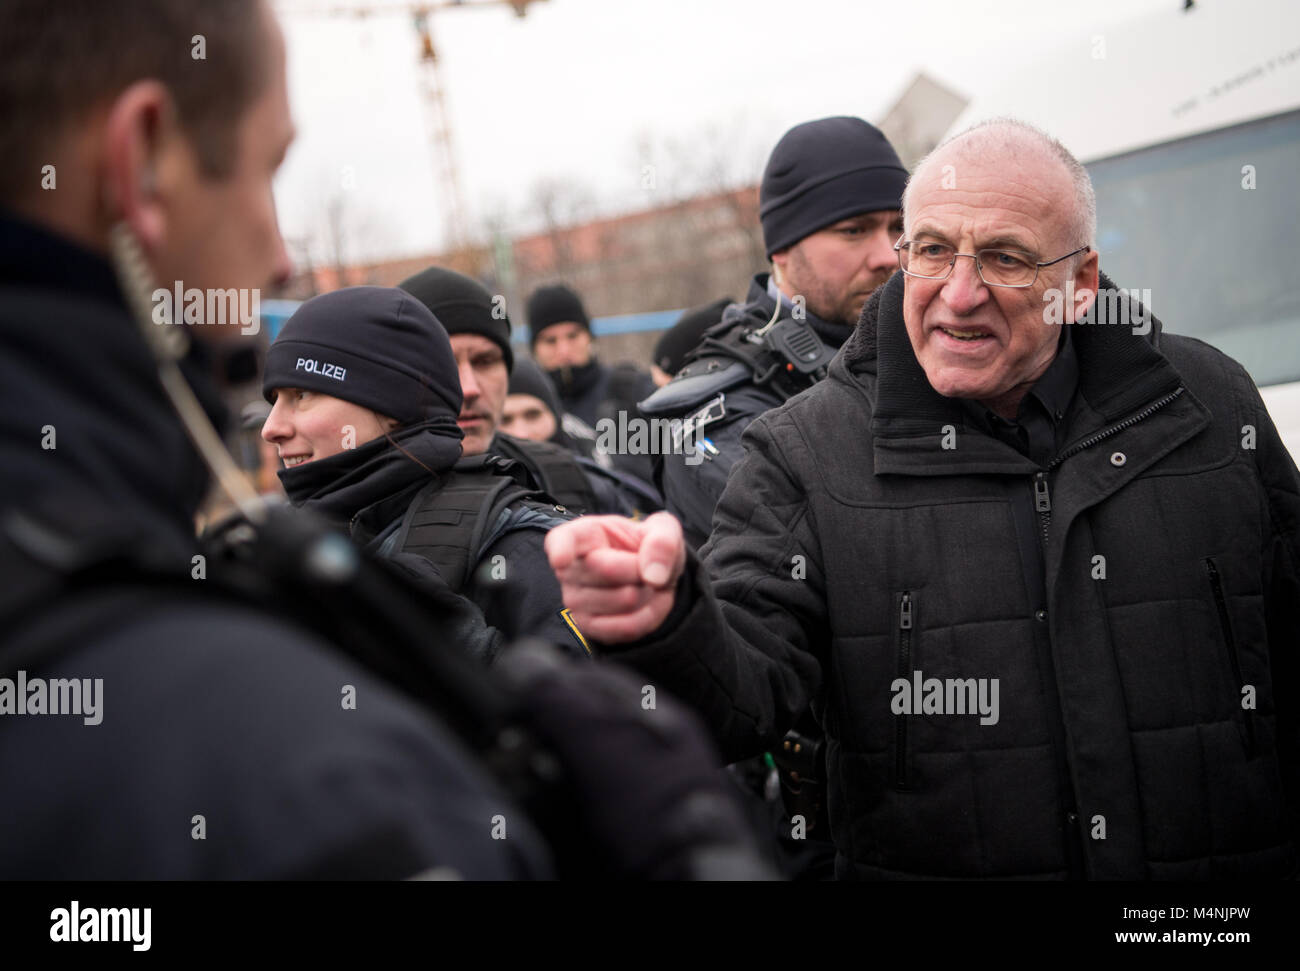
(1039, 581)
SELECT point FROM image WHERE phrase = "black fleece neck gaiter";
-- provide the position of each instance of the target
(343, 485)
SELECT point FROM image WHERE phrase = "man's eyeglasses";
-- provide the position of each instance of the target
(996, 267)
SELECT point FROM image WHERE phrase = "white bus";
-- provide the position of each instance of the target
(1189, 121)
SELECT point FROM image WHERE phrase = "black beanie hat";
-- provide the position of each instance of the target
(528, 378)
(680, 339)
(377, 347)
(462, 305)
(555, 305)
(823, 171)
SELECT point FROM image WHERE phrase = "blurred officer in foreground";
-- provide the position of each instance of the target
(480, 339)
(1035, 563)
(830, 204)
(166, 714)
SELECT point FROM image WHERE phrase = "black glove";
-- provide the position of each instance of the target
(471, 631)
(648, 801)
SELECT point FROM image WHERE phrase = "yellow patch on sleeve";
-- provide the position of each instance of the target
(568, 619)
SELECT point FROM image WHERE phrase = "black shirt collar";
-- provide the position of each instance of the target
(1038, 424)
(1055, 389)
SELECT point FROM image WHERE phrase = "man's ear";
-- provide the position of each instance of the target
(779, 259)
(1085, 285)
(139, 131)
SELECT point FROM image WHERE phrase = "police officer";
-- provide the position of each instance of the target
(830, 205)
(590, 390)
(480, 339)
(366, 398)
(532, 410)
(223, 750)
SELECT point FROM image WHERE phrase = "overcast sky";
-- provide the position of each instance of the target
(588, 92)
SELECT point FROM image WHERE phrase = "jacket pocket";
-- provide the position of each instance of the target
(1230, 644)
(906, 664)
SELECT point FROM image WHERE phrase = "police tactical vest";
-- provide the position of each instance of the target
(453, 519)
(554, 470)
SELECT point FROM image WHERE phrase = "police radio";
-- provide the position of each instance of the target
(799, 348)
(783, 352)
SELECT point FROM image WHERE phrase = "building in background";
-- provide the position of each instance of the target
(640, 268)
(637, 271)
(919, 118)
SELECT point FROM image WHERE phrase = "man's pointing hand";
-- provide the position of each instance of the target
(617, 575)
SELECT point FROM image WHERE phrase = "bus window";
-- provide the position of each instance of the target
(1218, 257)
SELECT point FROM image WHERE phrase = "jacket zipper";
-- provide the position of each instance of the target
(1106, 433)
(1043, 507)
(1043, 494)
(901, 780)
(1221, 604)
(1056, 725)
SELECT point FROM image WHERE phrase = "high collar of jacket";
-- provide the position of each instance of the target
(833, 335)
(75, 361)
(1119, 370)
(575, 382)
(365, 488)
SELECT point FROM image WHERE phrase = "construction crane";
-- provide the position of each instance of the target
(433, 90)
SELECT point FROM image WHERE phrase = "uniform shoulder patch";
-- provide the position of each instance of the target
(695, 423)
